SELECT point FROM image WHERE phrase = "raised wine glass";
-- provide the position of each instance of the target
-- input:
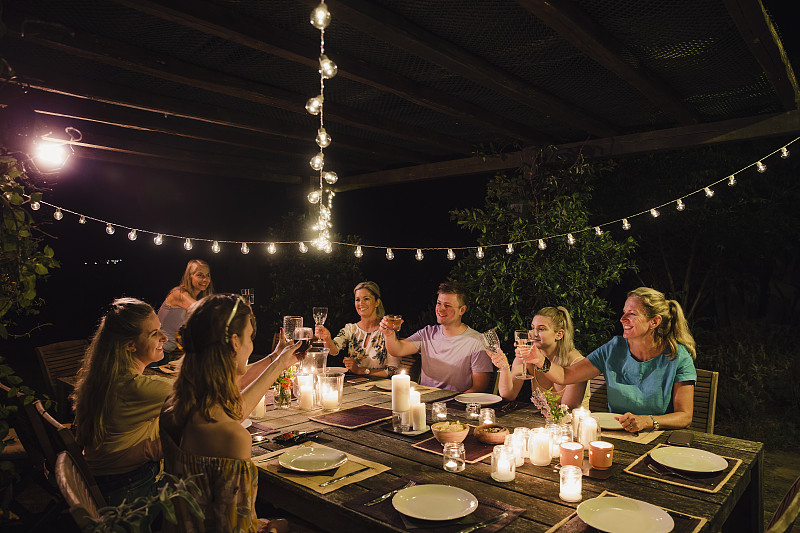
(320, 314)
(522, 338)
(491, 341)
(305, 335)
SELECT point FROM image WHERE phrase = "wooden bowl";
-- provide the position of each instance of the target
(491, 433)
(449, 436)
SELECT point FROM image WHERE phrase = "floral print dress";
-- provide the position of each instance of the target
(367, 348)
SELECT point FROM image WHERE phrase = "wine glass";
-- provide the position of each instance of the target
(491, 341)
(320, 314)
(521, 338)
(290, 323)
(305, 335)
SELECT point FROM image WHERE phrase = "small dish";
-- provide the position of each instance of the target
(445, 432)
(481, 398)
(491, 433)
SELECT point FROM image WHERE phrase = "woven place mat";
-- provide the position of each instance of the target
(703, 482)
(684, 523)
(642, 437)
(354, 417)
(385, 511)
(475, 450)
(269, 463)
(257, 428)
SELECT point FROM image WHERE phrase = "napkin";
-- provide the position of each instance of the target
(354, 417)
(474, 449)
(711, 482)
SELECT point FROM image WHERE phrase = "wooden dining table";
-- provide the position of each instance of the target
(737, 506)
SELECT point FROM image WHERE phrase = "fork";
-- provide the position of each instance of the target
(674, 473)
(381, 498)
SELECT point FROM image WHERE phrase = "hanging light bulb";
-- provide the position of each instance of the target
(708, 192)
(318, 161)
(215, 247)
(731, 181)
(451, 254)
(330, 178)
(598, 231)
(313, 197)
(626, 224)
(359, 252)
(570, 239)
(542, 244)
(245, 248)
(323, 139)
(418, 256)
(761, 167)
(510, 248)
(314, 104)
(109, 229)
(479, 253)
(35, 206)
(303, 247)
(187, 244)
(389, 254)
(57, 214)
(679, 205)
(784, 152)
(320, 17)
(132, 235)
(654, 213)
(327, 67)
(158, 239)
(82, 219)
(271, 248)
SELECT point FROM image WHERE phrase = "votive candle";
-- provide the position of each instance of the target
(601, 454)
(503, 463)
(540, 447)
(330, 399)
(571, 454)
(418, 417)
(571, 483)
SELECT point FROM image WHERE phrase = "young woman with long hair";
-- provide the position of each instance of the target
(194, 285)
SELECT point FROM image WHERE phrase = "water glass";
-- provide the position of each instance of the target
(291, 322)
(304, 335)
(473, 411)
(454, 458)
(330, 391)
(439, 411)
(486, 415)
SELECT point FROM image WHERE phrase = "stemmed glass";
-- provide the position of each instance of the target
(320, 314)
(521, 338)
(491, 341)
(304, 335)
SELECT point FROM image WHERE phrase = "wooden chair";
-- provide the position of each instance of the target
(83, 506)
(787, 511)
(61, 360)
(705, 399)
(412, 365)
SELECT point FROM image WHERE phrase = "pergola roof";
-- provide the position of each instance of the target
(220, 87)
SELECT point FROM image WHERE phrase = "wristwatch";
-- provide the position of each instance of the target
(545, 367)
(655, 423)
(366, 371)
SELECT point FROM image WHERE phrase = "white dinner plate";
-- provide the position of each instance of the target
(434, 502)
(479, 397)
(336, 370)
(607, 420)
(625, 515)
(312, 459)
(386, 384)
(689, 459)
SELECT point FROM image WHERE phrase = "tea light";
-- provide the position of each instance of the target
(454, 457)
(571, 483)
(540, 447)
(418, 417)
(439, 411)
(330, 399)
(401, 390)
(601, 454)
(503, 463)
(305, 386)
(571, 454)
(589, 431)
(473, 410)
(486, 415)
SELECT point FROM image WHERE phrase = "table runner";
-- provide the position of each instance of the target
(385, 511)
(354, 417)
(475, 450)
(706, 483)
(269, 463)
(684, 523)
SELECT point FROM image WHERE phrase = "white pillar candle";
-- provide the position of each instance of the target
(577, 414)
(260, 410)
(413, 397)
(540, 447)
(330, 398)
(588, 431)
(401, 388)
(305, 386)
(418, 416)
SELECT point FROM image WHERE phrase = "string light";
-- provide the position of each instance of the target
(82, 219)
(57, 214)
(245, 248)
(318, 161)
(271, 248)
(359, 252)
(313, 197)
(132, 235)
(187, 244)
(510, 248)
(479, 252)
(158, 239)
(35, 206)
(327, 67)
(418, 256)
(109, 229)
(389, 254)
(708, 191)
(215, 247)
(654, 213)
(625, 224)
(598, 231)
(784, 152)
(680, 206)
(320, 17)
(542, 244)
(761, 167)
(570, 239)
(303, 248)
(731, 181)
(330, 178)
(451, 254)
(323, 139)
(314, 104)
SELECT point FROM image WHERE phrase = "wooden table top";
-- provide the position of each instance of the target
(738, 506)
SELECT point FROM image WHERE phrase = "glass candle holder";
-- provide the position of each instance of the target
(539, 445)
(454, 457)
(601, 454)
(589, 430)
(306, 396)
(259, 411)
(329, 391)
(518, 442)
(486, 416)
(503, 463)
(571, 454)
(526, 433)
(571, 484)
(439, 411)
(315, 361)
(401, 421)
(473, 411)
(577, 414)
(559, 433)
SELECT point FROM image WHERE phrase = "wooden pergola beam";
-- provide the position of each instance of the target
(624, 145)
(574, 25)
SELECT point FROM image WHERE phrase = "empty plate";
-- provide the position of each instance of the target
(479, 397)
(607, 420)
(386, 384)
(689, 459)
(312, 459)
(434, 502)
(625, 515)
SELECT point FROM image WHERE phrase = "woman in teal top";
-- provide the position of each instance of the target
(649, 370)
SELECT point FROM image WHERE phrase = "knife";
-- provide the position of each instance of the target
(353, 473)
(485, 523)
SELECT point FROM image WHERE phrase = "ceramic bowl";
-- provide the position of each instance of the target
(449, 436)
(491, 433)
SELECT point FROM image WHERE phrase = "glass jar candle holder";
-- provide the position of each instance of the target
(526, 433)
(439, 411)
(473, 411)
(589, 430)
(601, 454)
(486, 416)
(561, 432)
(260, 410)
(329, 391)
(577, 414)
(454, 457)
(570, 484)
(306, 395)
(571, 454)
(539, 446)
(503, 463)
(519, 442)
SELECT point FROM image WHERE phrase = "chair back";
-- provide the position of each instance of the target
(705, 399)
(787, 511)
(82, 505)
(61, 359)
(411, 365)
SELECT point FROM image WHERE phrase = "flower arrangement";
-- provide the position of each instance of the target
(285, 378)
(548, 403)
(283, 388)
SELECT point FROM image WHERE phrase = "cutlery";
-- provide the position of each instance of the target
(660, 472)
(485, 523)
(353, 473)
(379, 499)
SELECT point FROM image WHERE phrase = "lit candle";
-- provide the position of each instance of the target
(305, 386)
(540, 447)
(571, 454)
(503, 463)
(330, 398)
(588, 431)
(577, 414)
(418, 416)
(486, 415)
(571, 483)
(401, 388)
(260, 410)
(413, 397)
(601, 454)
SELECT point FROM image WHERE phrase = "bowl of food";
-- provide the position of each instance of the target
(491, 433)
(450, 431)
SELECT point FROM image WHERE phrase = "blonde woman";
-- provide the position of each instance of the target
(552, 333)
(117, 407)
(649, 369)
(201, 427)
(195, 284)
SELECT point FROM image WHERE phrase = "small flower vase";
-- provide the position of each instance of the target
(283, 397)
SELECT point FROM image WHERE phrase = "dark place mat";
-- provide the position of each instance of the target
(257, 428)
(354, 417)
(475, 449)
(704, 482)
(385, 511)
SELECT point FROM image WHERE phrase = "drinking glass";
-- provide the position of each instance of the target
(521, 339)
(249, 295)
(304, 335)
(320, 314)
(394, 321)
(491, 340)
(289, 324)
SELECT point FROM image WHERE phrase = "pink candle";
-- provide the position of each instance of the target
(572, 454)
(601, 454)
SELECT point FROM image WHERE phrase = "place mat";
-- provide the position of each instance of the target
(642, 437)
(704, 482)
(261, 429)
(684, 523)
(269, 463)
(354, 417)
(474, 449)
(385, 511)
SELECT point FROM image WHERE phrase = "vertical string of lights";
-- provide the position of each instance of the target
(323, 196)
